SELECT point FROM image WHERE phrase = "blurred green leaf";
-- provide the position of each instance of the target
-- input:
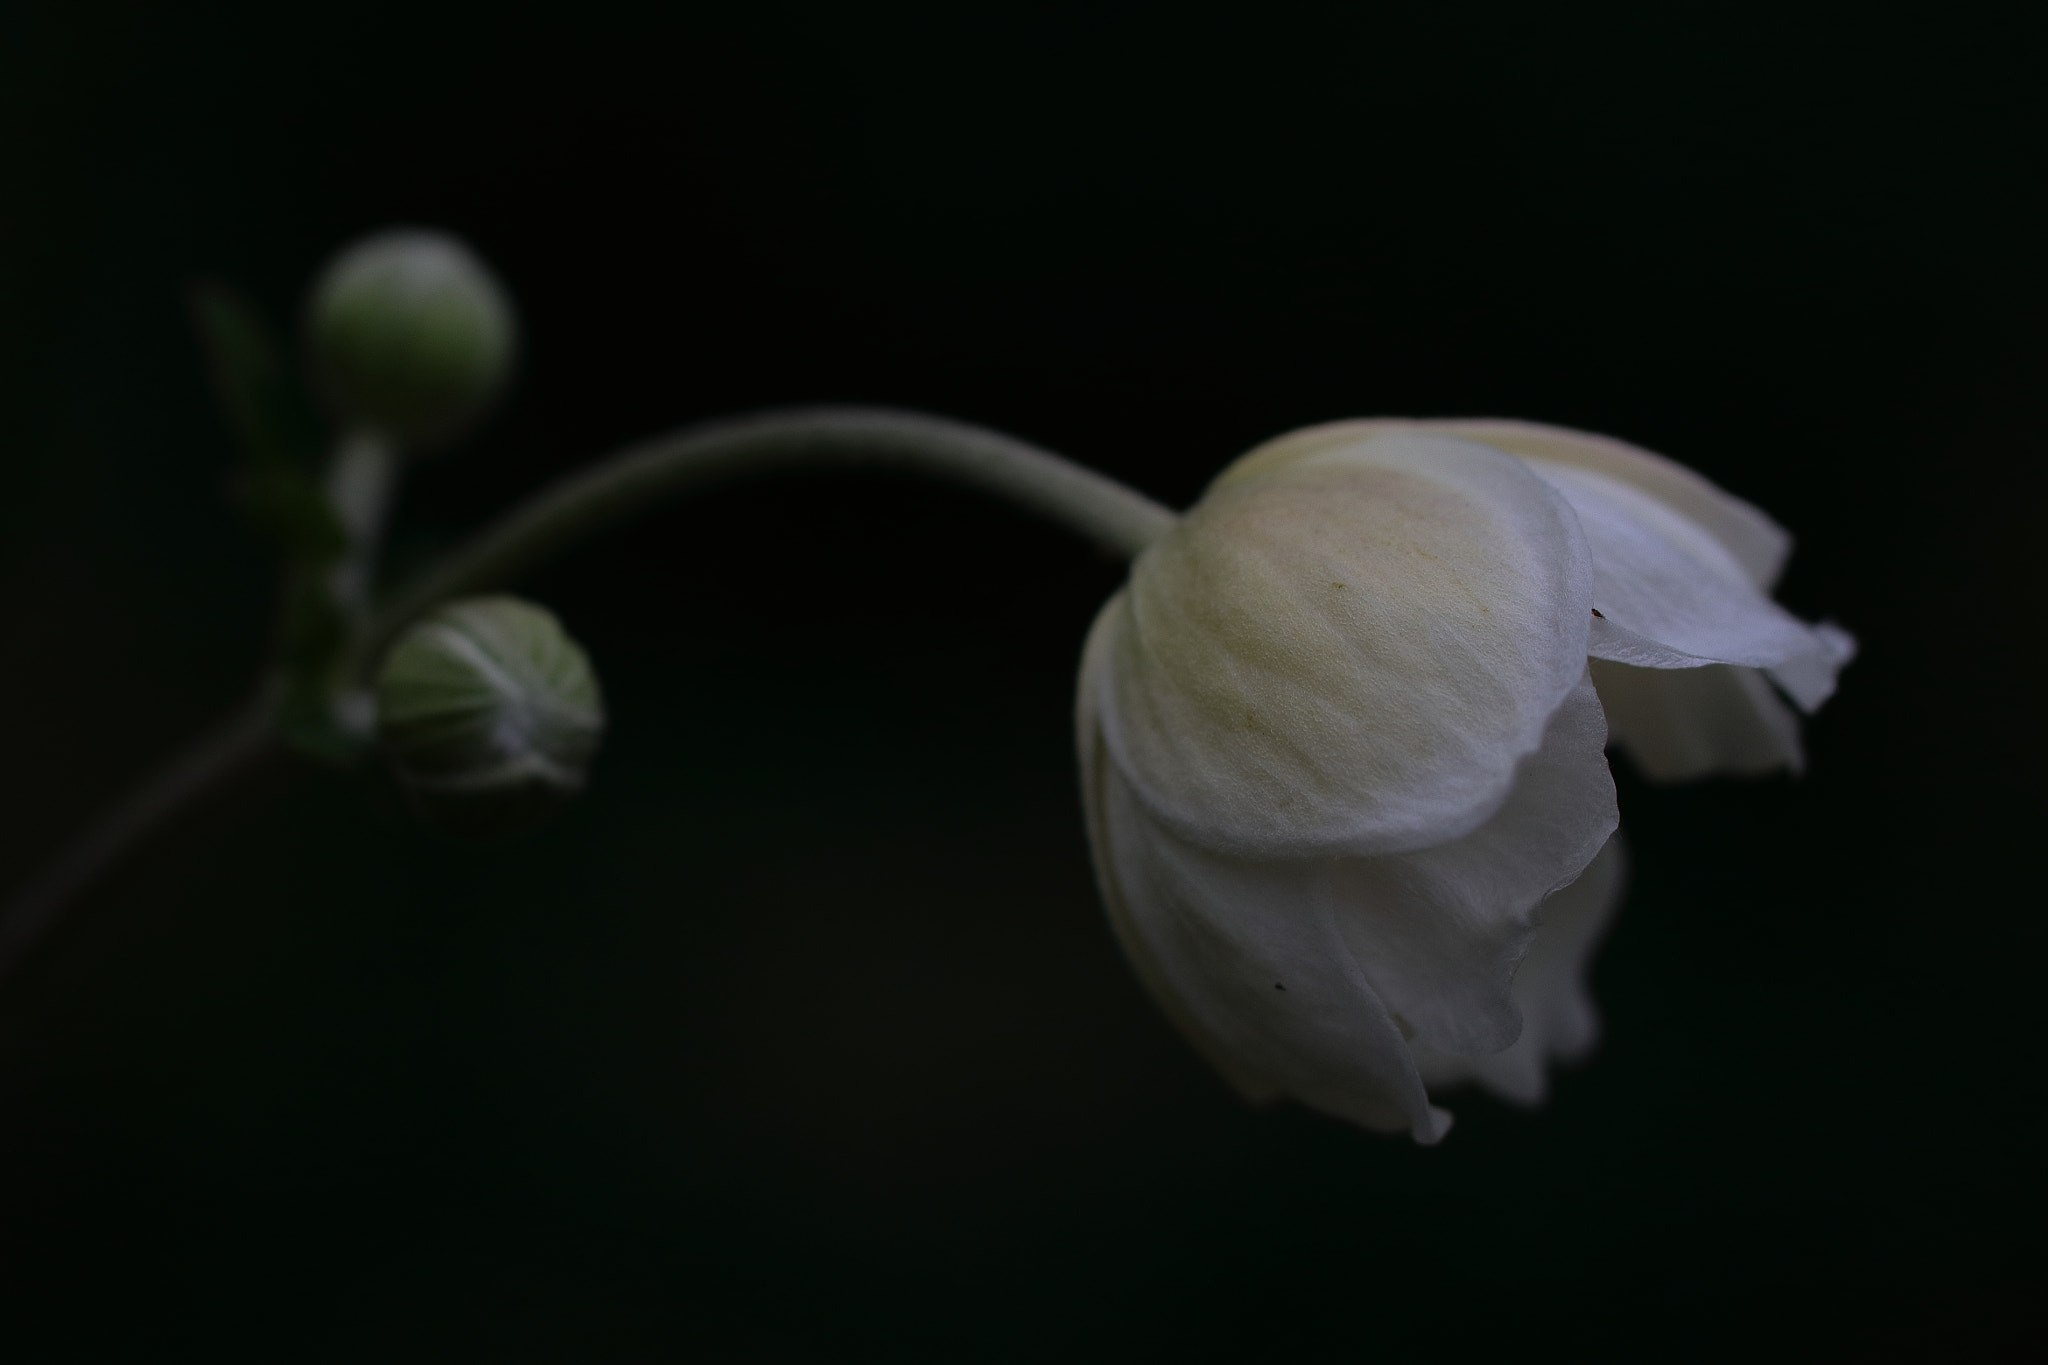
(277, 485)
(274, 421)
(310, 647)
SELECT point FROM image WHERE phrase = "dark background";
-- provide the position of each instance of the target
(801, 1037)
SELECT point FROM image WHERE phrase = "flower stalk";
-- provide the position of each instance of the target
(1102, 511)
(239, 744)
(1115, 518)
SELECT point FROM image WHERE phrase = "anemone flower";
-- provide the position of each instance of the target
(1342, 743)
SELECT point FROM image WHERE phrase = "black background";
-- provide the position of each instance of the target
(801, 1037)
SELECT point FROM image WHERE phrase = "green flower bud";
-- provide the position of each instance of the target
(489, 714)
(411, 333)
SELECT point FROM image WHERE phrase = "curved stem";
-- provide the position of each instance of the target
(1115, 517)
(1102, 510)
(213, 761)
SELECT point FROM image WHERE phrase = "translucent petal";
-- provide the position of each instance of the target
(1350, 655)
(1682, 567)
(1755, 541)
(1559, 1022)
(1255, 1089)
(1439, 931)
(1250, 957)
(1309, 976)
(1706, 525)
(1669, 596)
(1809, 678)
(1679, 724)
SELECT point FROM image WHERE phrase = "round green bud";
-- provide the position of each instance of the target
(411, 333)
(489, 714)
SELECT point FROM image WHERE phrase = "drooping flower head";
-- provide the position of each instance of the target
(1342, 750)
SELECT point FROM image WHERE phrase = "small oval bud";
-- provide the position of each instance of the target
(411, 333)
(489, 714)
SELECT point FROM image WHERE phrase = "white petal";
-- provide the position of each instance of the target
(1307, 976)
(1250, 957)
(1559, 1022)
(1679, 724)
(1255, 1089)
(1439, 931)
(1809, 679)
(1673, 553)
(1351, 655)
(1669, 595)
(1757, 543)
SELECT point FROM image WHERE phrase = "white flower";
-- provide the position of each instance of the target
(1342, 749)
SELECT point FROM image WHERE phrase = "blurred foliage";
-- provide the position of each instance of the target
(268, 411)
(278, 488)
